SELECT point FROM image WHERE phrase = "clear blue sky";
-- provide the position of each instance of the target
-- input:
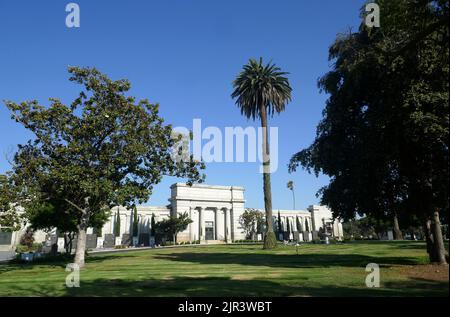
(183, 54)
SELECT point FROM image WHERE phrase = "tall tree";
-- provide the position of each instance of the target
(153, 224)
(384, 136)
(116, 228)
(290, 186)
(103, 150)
(262, 90)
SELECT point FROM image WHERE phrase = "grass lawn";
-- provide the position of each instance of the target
(239, 270)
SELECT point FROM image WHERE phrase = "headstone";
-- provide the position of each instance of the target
(91, 241)
(109, 241)
(296, 236)
(100, 242)
(390, 235)
(135, 241)
(5, 238)
(61, 245)
(126, 239)
(306, 236)
(117, 241)
(50, 240)
(152, 241)
(259, 237)
(315, 235)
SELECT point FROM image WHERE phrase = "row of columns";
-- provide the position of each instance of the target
(225, 222)
(293, 222)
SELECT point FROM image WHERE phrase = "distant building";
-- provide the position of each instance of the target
(215, 211)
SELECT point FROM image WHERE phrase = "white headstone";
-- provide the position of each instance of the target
(390, 235)
(61, 245)
(100, 242)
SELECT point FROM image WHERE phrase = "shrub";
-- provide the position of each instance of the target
(27, 239)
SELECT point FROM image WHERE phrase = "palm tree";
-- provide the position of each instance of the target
(290, 185)
(262, 90)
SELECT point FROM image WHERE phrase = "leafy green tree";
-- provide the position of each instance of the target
(103, 150)
(250, 220)
(170, 227)
(280, 225)
(383, 139)
(261, 90)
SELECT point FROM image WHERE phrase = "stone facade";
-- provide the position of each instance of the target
(215, 211)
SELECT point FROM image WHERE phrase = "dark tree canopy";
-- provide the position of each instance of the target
(383, 139)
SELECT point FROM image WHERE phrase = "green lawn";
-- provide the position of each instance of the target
(238, 270)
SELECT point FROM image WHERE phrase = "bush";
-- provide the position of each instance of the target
(27, 239)
(35, 247)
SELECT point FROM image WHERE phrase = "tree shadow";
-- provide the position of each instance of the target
(288, 260)
(228, 287)
(55, 262)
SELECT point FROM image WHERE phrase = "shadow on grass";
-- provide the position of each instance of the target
(227, 287)
(288, 260)
(60, 261)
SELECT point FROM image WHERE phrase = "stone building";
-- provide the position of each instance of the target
(215, 211)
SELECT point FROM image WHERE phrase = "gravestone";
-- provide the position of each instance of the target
(91, 241)
(315, 235)
(306, 236)
(61, 245)
(296, 236)
(144, 239)
(5, 238)
(110, 241)
(126, 239)
(50, 240)
(100, 242)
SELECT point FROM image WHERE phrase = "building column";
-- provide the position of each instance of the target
(201, 224)
(216, 223)
(227, 225)
(191, 225)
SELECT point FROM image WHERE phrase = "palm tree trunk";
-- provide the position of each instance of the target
(269, 240)
(293, 197)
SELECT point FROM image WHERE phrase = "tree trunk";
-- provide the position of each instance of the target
(81, 240)
(397, 232)
(269, 240)
(439, 249)
(430, 241)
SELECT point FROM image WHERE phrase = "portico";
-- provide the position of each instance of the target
(214, 210)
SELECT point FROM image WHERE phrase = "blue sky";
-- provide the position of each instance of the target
(184, 55)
